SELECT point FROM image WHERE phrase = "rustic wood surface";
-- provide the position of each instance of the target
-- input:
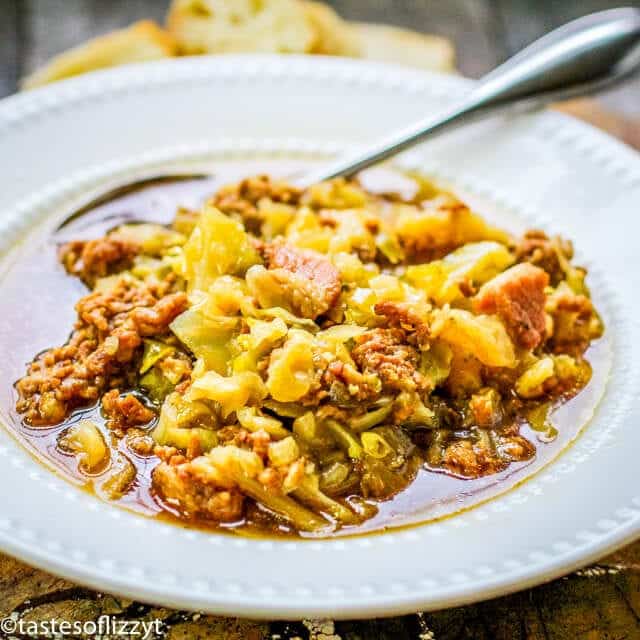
(598, 603)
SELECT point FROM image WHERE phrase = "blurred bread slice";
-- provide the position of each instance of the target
(333, 35)
(140, 42)
(402, 46)
(235, 26)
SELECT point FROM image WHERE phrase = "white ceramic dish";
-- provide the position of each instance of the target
(60, 144)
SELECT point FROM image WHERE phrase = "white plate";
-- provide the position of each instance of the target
(60, 143)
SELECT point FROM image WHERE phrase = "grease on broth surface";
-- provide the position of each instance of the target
(36, 282)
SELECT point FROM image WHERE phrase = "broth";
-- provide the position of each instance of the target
(36, 283)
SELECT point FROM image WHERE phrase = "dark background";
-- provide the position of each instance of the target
(485, 32)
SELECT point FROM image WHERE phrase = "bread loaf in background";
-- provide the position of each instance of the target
(236, 26)
(140, 42)
(196, 27)
(333, 35)
(402, 46)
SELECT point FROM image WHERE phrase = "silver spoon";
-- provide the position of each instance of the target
(579, 58)
(582, 57)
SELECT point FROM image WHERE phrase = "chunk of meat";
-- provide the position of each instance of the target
(93, 259)
(124, 411)
(464, 459)
(307, 264)
(307, 281)
(516, 448)
(340, 383)
(258, 441)
(406, 316)
(575, 321)
(207, 485)
(438, 226)
(486, 408)
(182, 488)
(155, 320)
(140, 442)
(517, 296)
(473, 460)
(106, 338)
(385, 352)
(550, 254)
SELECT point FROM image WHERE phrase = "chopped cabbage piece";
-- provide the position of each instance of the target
(309, 492)
(283, 452)
(119, 480)
(375, 445)
(306, 232)
(254, 420)
(351, 234)
(217, 246)
(232, 393)
(345, 438)
(153, 239)
(353, 270)
(340, 333)
(154, 350)
(207, 337)
(335, 194)
(157, 384)
(435, 363)
(185, 425)
(474, 263)
(275, 217)
(227, 296)
(291, 370)
(442, 223)
(485, 337)
(531, 383)
(85, 440)
(370, 419)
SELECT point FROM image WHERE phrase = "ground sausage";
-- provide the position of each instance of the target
(575, 322)
(241, 199)
(155, 320)
(124, 411)
(182, 489)
(405, 316)
(544, 252)
(386, 353)
(107, 337)
(98, 258)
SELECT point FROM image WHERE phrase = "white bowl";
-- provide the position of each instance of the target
(60, 144)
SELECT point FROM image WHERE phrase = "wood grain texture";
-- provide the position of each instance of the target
(598, 603)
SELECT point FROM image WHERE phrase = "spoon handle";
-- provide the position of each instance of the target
(581, 57)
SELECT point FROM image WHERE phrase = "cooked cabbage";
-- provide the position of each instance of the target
(484, 337)
(474, 263)
(207, 337)
(218, 245)
(231, 393)
(291, 370)
(85, 440)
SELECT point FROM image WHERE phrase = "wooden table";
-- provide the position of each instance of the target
(599, 603)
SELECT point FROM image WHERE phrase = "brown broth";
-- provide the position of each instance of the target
(38, 311)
